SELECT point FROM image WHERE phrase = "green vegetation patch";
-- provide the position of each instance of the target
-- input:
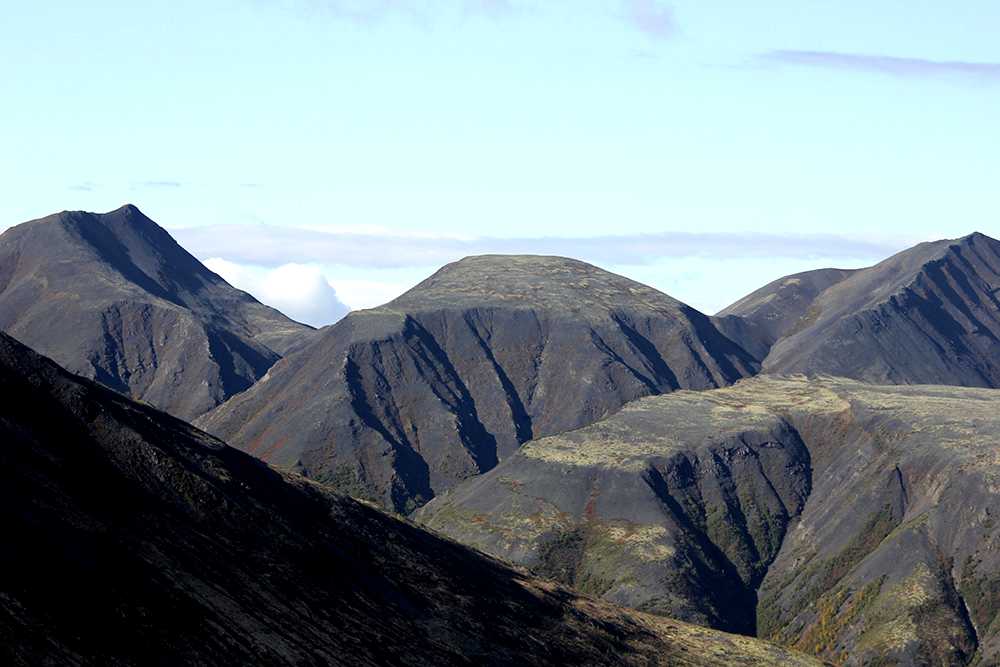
(832, 570)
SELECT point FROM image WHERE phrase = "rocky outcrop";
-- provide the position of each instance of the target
(403, 401)
(131, 538)
(848, 520)
(114, 298)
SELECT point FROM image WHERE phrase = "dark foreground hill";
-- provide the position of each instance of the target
(114, 298)
(400, 402)
(850, 520)
(929, 314)
(131, 538)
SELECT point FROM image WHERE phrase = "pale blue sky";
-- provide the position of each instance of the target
(491, 125)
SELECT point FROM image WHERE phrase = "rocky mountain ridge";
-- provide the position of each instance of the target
(929, 314)
(113, 297)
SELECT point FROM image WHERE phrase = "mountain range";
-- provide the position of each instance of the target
(132, 538)
(815, 464)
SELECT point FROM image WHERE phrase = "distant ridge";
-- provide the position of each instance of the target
(400, 402)
(929, 314)
(113, 297)
(764, 316)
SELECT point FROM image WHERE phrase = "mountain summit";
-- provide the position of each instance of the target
(550, 283)
(400, 402)
(113, 297)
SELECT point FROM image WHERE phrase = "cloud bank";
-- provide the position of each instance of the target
(299, 291)
(894, 66)
(274, 246)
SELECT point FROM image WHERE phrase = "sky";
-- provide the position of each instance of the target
(327, 155)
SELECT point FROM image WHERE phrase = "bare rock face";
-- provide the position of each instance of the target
(131, 538)
(114, 298)
(848, 520)
(929, 315)
(403, 401)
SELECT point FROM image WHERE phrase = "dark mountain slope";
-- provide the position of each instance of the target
(113, 297)
(402, 401)
(761, 318)
(859, 519)
(929, 314)
(130, 538)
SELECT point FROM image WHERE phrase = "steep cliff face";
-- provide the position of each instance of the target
(849, 520)
(131, 538)
(401, 402)
(114, 298)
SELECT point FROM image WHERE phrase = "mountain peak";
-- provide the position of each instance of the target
(127, 209)
(114, 297)
(487, 353)
(129, 212)
(976, 238)
(925, 315)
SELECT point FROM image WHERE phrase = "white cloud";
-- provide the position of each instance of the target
(300, 291)
(360, 294)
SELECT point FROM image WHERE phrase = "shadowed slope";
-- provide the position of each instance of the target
(113, 297)
(400, 402)
(929, 314)
(131, 538)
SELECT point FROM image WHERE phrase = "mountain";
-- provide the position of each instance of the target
(929, 315)
(674, 506)
(854, 521)
(766, 315)
(400, 402)
(114, 298)
(131, 538)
